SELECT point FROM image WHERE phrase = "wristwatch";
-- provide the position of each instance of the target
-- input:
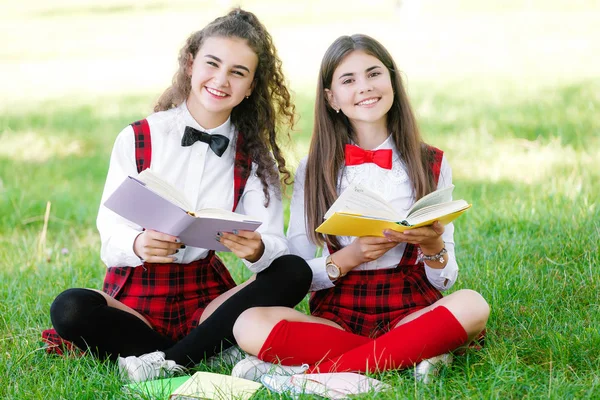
(333, 271)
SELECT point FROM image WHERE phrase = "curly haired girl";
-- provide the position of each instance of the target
(165, 305)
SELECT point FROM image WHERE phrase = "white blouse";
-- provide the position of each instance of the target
(394, 186)
(205, 178)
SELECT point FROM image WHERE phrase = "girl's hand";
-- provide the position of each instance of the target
(156, 247)
(244, 244)
(428, 237)
(362, 250)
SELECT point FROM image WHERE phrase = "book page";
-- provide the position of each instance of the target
(436, 197)
(436, 211)
(136, 202)
(154, 389)
(223, 214)
(357, 199)
(336, 385)
(332, 385)
(208, 385)
(164, 189)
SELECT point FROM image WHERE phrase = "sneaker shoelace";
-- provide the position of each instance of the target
(155, 363)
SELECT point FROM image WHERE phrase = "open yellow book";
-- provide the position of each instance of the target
(360, 212)
(207, 385)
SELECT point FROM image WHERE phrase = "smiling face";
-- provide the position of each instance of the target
(361, 88)
(222, 74)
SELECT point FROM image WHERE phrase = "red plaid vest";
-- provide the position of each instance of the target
(117, 276)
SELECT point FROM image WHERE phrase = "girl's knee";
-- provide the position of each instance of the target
(291, 273)
(73, 305)
(476, 307)
(296, 267)
(479, 304)
(247, 329)
(248, 319)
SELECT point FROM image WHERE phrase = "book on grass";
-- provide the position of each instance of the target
(159, 389)
(361, 212)
(332, 385)
(152, 203)
(208, 385)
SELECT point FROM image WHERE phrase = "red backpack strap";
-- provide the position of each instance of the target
(436, 161)
(116, 277)
(331, 248)
(143, 144)
(411, 252)
(241, 170)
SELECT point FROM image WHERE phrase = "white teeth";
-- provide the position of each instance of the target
(367, 102)
(216, 92)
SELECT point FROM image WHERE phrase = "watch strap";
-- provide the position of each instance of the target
(329, 261)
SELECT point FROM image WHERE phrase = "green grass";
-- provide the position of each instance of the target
(530, 246)
(524, 150)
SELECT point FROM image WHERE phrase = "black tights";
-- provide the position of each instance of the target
(83, 317)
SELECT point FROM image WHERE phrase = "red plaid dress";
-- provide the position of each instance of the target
(172, 297)
(370, 303)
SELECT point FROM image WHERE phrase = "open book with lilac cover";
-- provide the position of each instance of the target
(361, 212)
(152, 203)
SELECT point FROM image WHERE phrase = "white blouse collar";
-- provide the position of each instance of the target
(223, 129)
(388, 143)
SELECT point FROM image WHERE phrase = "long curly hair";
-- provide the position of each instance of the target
(268, 109)
(332, 131)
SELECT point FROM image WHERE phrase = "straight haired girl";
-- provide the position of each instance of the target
(376, 303)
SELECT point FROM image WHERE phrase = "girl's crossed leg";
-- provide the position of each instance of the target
(292, 338)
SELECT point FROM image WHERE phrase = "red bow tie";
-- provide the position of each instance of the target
(355, 156)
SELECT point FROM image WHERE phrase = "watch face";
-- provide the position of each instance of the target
(332, 271)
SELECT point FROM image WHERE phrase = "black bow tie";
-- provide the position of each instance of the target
(217, 143)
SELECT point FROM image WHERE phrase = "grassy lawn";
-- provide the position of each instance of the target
(523, 139)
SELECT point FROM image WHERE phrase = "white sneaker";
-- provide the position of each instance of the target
(253, 369)
(426, 369)
(148, 366)
(226, 358)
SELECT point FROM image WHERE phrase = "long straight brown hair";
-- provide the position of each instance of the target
(332, 131)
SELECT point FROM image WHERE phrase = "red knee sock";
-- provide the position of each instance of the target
(435, 332)
(295, 343)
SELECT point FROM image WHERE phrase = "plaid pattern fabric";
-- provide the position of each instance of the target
(411, 252)
(241, 170)
(172, 297)
(54, 344)
(370, 303)
(143, 144)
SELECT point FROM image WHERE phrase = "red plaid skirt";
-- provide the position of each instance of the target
(370, 303)
(172, 297)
